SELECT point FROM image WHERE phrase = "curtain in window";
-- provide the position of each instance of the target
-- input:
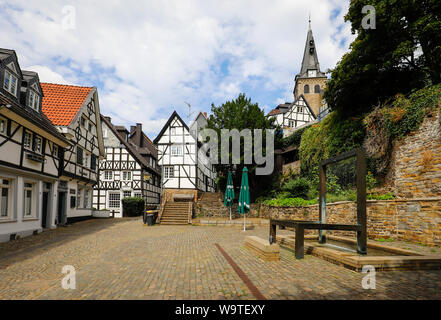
(4, 204)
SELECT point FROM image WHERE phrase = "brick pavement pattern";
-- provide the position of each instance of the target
(123, 259)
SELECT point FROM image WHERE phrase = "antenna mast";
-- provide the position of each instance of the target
(190, 113)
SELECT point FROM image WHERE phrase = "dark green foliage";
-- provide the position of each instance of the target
(406, 114)
(296, 188)
(383, 61)
(395, 120)
(293, 139)
(331, 137)
(289, 202)
(133, 207)
(240, 114)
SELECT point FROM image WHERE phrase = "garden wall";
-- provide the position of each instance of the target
(414, 220)
(415, 168)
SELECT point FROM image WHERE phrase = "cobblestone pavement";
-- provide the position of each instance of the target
(123, 259)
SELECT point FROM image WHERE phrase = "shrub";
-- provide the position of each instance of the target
(385, 196)
(298, 187)
(329, 138)
(394, 120)
(133, 207)
(293, 139)
(289, 202)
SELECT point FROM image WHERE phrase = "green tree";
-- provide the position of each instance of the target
(240, 114)
(403, 53)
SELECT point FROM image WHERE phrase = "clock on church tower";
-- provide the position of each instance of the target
(312, 73)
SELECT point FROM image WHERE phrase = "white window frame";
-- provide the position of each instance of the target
(106, 174)
(5, 186)
(80, 197)
(34, 100)
(126, 175)
(114, 197)
(125, 192)
(291, 123)
(27, 143)
(28, 186)
(37, 150)
(138, 195)
(169, 172)
(176, 150)
(7, 83)
(86, 198)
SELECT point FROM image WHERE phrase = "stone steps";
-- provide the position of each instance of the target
(175, 213)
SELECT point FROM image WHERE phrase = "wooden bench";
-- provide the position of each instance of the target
(299, 226)
(265, 250)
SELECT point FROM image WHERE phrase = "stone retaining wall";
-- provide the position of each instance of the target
(413, 220)
(415, 169)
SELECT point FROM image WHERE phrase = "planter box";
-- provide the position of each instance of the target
(101, 214)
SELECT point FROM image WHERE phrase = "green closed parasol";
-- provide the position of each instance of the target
(229, 193)
(244, 196)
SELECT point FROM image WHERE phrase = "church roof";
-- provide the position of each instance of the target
(310, 59)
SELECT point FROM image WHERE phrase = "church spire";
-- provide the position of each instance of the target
(310, 60)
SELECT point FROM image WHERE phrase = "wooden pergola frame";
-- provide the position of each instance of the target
(321, 225)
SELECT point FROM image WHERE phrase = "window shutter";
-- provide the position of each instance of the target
(79, 155)
(93, 162)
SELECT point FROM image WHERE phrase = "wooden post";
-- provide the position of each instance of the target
(273, 231)
(361, 202)
(299, 243)
(322, 202)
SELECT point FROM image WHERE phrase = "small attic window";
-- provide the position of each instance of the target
(10, 83)
(311, 50)
(34, 100)
(311, 42)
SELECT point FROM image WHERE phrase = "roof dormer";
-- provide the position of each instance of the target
(31, 92)
(10, 74)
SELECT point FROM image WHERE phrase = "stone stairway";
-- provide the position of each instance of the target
(176, 213)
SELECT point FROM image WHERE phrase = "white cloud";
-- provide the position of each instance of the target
(47, 75)
(147, 58)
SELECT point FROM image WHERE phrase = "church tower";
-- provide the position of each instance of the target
(310, 82)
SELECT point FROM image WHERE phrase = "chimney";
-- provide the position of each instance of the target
(108, 119)
(139, 130)
(132, 129)
(205, 114)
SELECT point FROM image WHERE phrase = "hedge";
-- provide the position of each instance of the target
(133, 207)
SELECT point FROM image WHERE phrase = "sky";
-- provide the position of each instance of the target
(149, 58)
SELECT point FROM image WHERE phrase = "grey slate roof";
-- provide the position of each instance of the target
(132, 149)
(310, 59)
(37, 118)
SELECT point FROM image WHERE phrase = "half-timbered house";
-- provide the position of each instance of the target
(30, 154)
(184, 169)
(76, 114)
(290, 116)
(130, 168)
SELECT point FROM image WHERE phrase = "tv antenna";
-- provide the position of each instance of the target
(190, 113)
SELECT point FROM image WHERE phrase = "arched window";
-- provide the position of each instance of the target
(306, 88)
(316, 88)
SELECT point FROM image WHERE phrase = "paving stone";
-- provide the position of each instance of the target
(122, 259)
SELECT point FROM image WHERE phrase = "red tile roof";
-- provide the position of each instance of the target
(62, 102)
(274, 112)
